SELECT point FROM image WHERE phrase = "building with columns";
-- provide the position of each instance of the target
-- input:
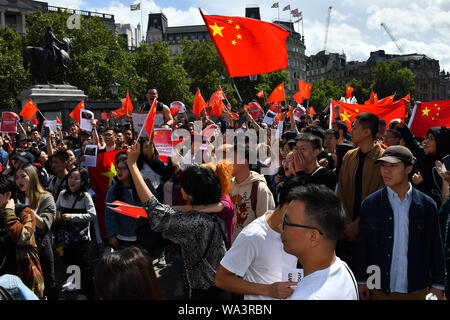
(13, 13)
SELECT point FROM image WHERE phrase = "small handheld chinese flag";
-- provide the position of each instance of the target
(304, 91)
(277, 95)
(29, 110)
(150, 119)
(248, 46)
(199, 104)
(260, 94)
(216, 103)
(348, 92)
(373, 98)
(76, 113)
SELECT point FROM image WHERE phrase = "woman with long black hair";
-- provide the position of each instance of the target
(75, 211)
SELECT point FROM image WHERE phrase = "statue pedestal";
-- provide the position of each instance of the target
(52, 93)
(54, 100)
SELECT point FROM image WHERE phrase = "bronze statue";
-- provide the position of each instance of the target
(44, 60)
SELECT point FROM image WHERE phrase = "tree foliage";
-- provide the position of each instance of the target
(391, 79)
(13, 77)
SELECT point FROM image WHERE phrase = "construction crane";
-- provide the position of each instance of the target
(391, 36)
(326, 29)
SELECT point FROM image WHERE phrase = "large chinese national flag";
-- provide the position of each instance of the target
(428, 115)
(248, 46)
(388, 112)
(101, 179)
(277, 95)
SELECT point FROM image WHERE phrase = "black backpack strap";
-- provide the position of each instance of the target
(5, 294)
(254, 194)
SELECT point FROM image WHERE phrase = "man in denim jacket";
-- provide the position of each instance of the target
(399, 234)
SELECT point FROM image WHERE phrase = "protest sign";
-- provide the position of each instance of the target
(162, 137)
(270, 115)
(139, 121)
(51, 124)
(86, 117)
(9, 122)
(90, 156)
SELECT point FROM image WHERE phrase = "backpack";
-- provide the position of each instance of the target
(5, 294)
(254, 194)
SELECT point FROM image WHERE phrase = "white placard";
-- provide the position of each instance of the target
(292, 274)
(268, 118)
(139, 121)
(51, 124)
(90, 156)
(86, 117)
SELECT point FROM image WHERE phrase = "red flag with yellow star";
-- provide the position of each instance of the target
(199, 104)
(428, 115)
(248, 46)
(277, 95)
(388, 112)
(348, 91)
(373, 98)
(101, 179)
(76, 113)
(29, 110)
(304, 91)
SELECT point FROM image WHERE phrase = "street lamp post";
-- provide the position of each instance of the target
(114, 91)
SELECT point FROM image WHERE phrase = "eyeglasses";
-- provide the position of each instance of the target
(285, 223)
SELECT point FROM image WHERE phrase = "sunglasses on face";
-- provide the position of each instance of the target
(285, 223)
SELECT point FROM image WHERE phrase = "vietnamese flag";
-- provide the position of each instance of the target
(260, 94)
(388, 112)
(277, 95)
(101, 179)
(427, 115)
(76, 113)
(348, 91)
(248, 46)
(199, 104)
(29, 110)
(216, 103)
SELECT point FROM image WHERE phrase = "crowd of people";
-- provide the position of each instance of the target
(343, 214)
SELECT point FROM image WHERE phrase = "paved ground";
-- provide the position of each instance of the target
(169, 281)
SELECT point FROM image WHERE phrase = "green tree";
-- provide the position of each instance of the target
(163, 72)
(323, 90)
(13, 77)
(391, 79)
(97, 56)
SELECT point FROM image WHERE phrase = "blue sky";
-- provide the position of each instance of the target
(420, 26)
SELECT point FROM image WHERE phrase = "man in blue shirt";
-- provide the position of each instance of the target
(399, 237)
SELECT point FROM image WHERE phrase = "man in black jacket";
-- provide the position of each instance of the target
(399, 237)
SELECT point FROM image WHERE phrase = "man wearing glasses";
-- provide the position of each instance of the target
(313, 223)
(256, 264)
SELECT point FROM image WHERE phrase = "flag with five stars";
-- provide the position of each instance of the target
(427, 115)
(373, 98)
(388, 112)
(277, 95)
(29, 110)
(101, 180)
(246, 46)
(216, 104)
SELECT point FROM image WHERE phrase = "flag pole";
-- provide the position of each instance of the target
(146, 118)
(228, 102)
(236, 89)
(142, 25)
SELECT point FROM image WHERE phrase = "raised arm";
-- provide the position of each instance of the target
(143, 191)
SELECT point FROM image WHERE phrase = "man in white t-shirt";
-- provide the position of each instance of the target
(312, 225)
(256, 264)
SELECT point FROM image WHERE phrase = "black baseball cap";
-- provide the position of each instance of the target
(396, 154)
(25, 156)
